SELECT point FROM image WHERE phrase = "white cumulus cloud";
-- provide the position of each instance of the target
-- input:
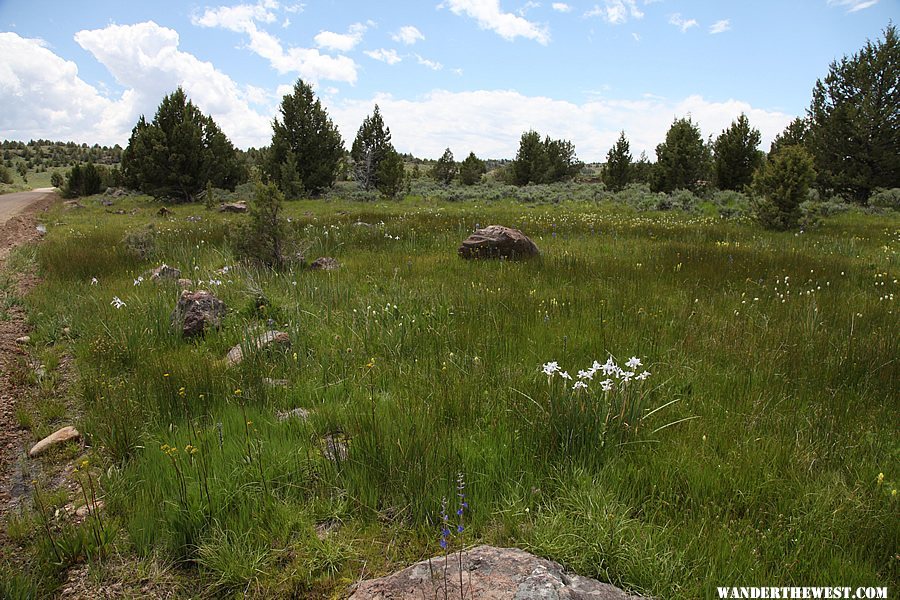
(408, 35)
(431, 64)
(490, 122)
(387, 56)
(308, 62)
(561, 7)
(616, 12)
(489, 15)
(720, 26)
(683, 24)
(342, 42)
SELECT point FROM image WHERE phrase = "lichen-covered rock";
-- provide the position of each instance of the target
(488, 574)
(234, 207)
(324, 263)
(497, 241)
(236, 354)
(196, 312)
(54, 439)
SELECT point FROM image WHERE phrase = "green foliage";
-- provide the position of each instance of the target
(307, 149)
(855, 120)
(57, 179)
(546, 161)
(794, 134)
(445, 169)
(5, 175)
(83, 181)
(265, 238)
(371, 146)
(390, 174)
(736, 155)
(618, 171)
(179, 151)
(886, 199)
(471, 170)
(22, 169)
(682, 161)
(782, 185)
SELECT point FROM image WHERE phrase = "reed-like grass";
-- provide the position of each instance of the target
(773, 357)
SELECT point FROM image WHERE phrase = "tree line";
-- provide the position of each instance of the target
(848, 143)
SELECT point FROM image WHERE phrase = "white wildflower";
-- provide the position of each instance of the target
(139, 280)
(633, 363)
(626, 376)
(579, 385)
(117, 302)
(589, 374)
(643, 375)
(610, 367)
(565, 375)
(94, 281)
(550, 368)
(606, 385)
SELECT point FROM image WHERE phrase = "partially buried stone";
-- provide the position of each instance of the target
(236, 354)
(197, 311)
(497, 241)
(164, 271)
(54, 439)
(234, 207)
(488, 573)
(324, 263)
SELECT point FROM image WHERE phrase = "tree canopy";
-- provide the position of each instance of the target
(682, 161)
(307, 149)
(736, 155)
(371, 145)
(179, 152)
(471, 169)
(546, 161)
(445, 169)
(854, 119)
(618, 171)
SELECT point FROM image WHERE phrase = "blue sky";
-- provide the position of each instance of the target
(468, 74)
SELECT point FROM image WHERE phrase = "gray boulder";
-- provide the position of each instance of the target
(260, 342)
(497, 241)
(488, 573)
(324, 263)
(197, 311)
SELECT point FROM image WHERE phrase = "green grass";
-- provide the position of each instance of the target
(773, 355)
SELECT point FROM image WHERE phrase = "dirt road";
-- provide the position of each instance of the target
(18, 221)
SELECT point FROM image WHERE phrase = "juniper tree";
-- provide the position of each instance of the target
(471, 169)
(445, 169)
(371, 145)
(736, 155)
(618, 171)
(682, 161)
(307, 149)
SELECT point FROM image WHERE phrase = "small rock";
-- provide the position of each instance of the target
(197, 311)
(67, 330)
(24, 339)
(236, 354)
(106, 202)
(72, 204)
(194, 219)
(298, 413)
(361, 224)
(185, 284)
(163, 212)
(497, 241)
(58, 437)
(335, 446)
(489, 573)
(324, 263)
(234, 207)
(41, 229)
(87, 509)
(164, 271)
(276, 382)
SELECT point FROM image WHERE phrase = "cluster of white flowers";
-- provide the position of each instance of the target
(117, 302)
(609, 369)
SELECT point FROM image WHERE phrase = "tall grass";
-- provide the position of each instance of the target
(774, 355)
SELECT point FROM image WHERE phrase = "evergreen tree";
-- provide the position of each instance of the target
(546, 161)
(307, 148)
(5, 175)
(445, 169)
(854, 118)
(782, 184)
(618, 171)
(471, 170)
(371, 146)
(179, 151)
(390, 174)
(736, 155)
(682, 161)
(794, 134)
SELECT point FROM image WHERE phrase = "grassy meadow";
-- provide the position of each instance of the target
(761, 449)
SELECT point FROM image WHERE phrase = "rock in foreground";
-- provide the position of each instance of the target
(196, 311)
(324, 263)
(54, 439)
(497, 241)
(489, 574)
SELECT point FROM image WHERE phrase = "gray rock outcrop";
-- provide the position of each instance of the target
(497, 241)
